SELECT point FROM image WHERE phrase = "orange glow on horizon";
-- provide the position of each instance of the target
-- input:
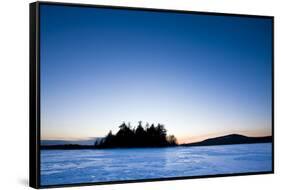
(181, 140)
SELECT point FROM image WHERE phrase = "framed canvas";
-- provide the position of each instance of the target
(121, 94)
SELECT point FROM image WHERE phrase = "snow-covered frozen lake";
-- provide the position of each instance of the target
(84, 166)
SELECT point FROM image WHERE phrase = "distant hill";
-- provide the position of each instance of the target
(66, 147)
(231, 139)
(90, 141)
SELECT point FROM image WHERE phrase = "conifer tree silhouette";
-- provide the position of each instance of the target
(127, 136)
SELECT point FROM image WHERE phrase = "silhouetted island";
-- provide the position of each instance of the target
(231, 139)
(150, 136)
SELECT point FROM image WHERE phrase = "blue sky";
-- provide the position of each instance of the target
(199, 75)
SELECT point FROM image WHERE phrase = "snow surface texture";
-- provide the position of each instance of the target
(86, 166)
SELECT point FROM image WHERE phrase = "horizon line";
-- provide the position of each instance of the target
(227, 134)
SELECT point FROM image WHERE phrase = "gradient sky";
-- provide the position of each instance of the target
(199, 75)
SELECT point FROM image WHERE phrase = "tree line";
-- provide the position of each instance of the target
(127, 136)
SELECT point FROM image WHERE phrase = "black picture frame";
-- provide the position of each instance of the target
(34, 92)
